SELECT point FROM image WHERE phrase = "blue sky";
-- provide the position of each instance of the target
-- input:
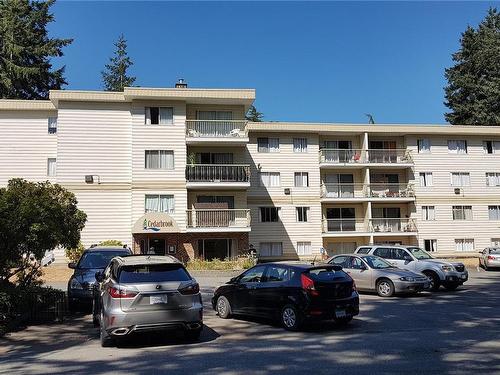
(308, 61)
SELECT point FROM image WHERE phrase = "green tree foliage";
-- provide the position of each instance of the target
(473, 91)
(74, 253)
(254, 115)
(35, 217)
(115, 77)
(26, 49)
(111, 243)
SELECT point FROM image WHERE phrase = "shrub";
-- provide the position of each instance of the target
(220, 265)
(74, 254)
(111, 243)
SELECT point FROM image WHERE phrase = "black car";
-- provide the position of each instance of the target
(292, 292)
(81, 283)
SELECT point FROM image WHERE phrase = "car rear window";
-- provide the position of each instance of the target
(325, 273)
(363, 250)
(99, 259)
(151, 273)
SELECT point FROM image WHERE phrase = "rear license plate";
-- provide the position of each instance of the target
(340, 313)
(154, 300)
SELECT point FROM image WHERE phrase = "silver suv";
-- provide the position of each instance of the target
(450, 275)
(146, 293)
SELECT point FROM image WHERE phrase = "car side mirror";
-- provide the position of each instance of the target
(72, 265)
(99, 276)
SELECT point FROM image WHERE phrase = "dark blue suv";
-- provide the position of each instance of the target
(81, 283)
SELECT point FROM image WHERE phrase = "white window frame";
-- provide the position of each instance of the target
(462, 213)
(162, 164)
(428, 213)
(459, 179)
(278, 209)
(433, 245)
(454, 146)
(268, 179)
(493, 176)
(301, 176)
(302, 212)
(304, 248)
(464, 244)
(270, 144)
(495, 147)
(426, 179)
(161, 121)
(424, 146)
(300, 145)
(494, 212)
(51, 167)
(52, 125)
(171, 210)
(273, 249)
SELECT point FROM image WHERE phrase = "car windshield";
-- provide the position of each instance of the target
(419, 253)
(376, 262)
(153, 273)
(99, 259)
(495, 251)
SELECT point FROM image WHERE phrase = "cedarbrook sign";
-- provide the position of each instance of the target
(155, 222)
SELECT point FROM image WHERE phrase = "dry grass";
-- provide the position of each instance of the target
(56, 273)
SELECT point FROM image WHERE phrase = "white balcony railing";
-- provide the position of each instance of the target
(329, 190)
(388, 225)
(217, 173)
(341, 156)
(218, 218)
(216, 128)
(339, 225)
(389, 156)
(380, 190)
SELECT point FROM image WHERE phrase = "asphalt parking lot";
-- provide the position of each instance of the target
(443, 333)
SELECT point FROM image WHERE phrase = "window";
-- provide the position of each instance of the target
(495, 242)
(383, 252)
(159, 159)
(424, 146)
(51, 167)
(253, 275)
(159, 203)
(276, 274)
(457, 147)
(494, 212)
(430, 245)
(268, 144)
(428, 213)
(159, 116)
(270, 249)
(301, 179)
(304, 248)
(52, 125)
(460, 179)
(464, 244)
(302, 214)
(363, 250)
(269, 214)
(214, 115)
(300, 145)
(426, 179)
(270, 179)
(491, 147)
(462, 212)
(493, 179)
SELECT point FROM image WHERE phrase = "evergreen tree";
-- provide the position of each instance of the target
(115, 76)
(473, 91)
(26, 49)
(254, 115)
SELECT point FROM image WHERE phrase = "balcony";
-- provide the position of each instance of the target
(389, 157)
(344, 227)
(210, 176)
(218, 220)
(342, 157)
(367, 192)
(216, 132)
(393, 226)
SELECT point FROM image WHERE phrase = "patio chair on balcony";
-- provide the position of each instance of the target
(193, 133)
(235, 132)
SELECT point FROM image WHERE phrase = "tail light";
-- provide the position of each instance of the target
(308, 285)
(191, 289)
(121, 293)
(491, 257)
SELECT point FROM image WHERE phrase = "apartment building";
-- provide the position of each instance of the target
(179, 171)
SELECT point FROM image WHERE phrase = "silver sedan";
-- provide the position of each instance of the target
(490, 258)
(372, 273)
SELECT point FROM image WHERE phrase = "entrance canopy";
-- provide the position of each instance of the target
(155, 222)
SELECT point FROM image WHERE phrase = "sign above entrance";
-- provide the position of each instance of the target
(155, 222)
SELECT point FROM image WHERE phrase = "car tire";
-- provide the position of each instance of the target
(385, 288)
(193, 335)
(291, 318)
(343, 321)
(451, 287)
(223, 307)
(435, 281)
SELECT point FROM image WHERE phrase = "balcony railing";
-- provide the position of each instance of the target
(339, 225)
(330, 190)
(389, 156)
(341, 156)
(217, 173)
(218, 218)
(388, 225)
(216, 128)
(389, 190)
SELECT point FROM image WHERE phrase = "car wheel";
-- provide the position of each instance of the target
(291, 318)
(451, 286)
(193, 335)
(223, 307)
(343, 321)
(435, 283)
(106, 340)
(385, 288)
